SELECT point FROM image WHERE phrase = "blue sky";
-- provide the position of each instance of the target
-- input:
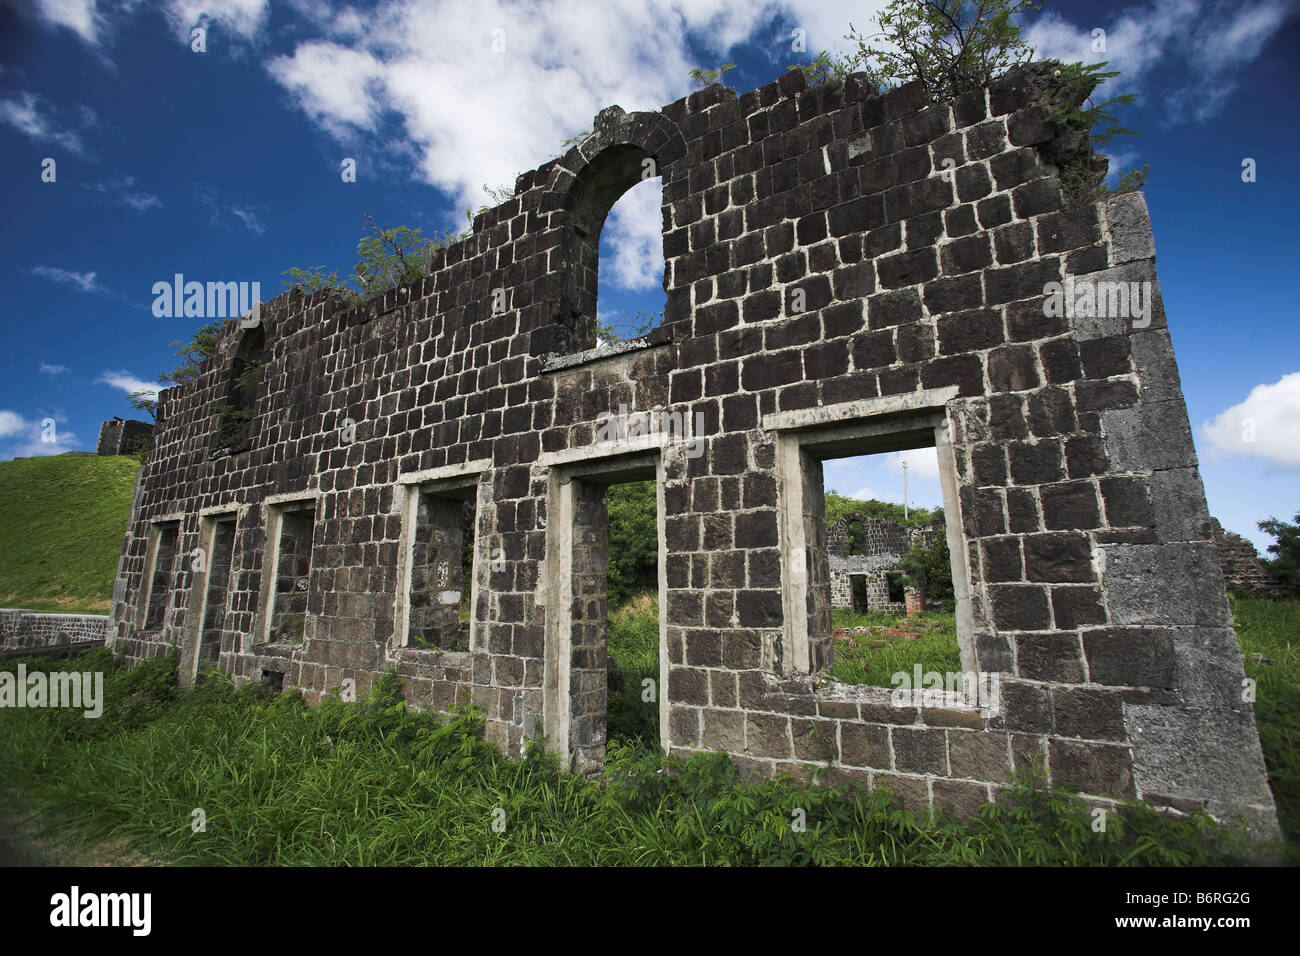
(224, 165)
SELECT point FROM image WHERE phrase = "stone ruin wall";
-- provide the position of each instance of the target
(886, 543)
(1087, 575)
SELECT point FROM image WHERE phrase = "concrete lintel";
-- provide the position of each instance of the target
(217, 511)
(465, 469)
(927, 399)
(604, 449)
(556, 363)
(311, 495)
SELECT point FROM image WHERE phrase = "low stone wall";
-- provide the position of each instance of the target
(24, 629)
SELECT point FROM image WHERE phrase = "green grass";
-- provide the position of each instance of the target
(62, 519)
(935, 650)
(374, 784)
(1272, 629)
(634, 644)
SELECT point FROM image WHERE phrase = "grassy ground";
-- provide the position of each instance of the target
(863, 659)
(61, 524)
(373, 784)
(1271, 629)
(634, 645)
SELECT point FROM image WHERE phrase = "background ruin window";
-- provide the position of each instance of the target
(235, 412)
(442, 570)
(292, 574)
(160, 575)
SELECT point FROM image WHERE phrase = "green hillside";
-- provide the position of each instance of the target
(61, 524)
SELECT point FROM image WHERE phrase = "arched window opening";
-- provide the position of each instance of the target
(625, 300)
(630, 287)
(235, 414)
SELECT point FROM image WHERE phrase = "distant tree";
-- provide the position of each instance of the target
(838, 505)
(1284, 565)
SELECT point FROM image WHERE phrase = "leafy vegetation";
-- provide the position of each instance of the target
(1284, 563)
(951, 46)
(373, 784)
(704, 78)
(930, 569)
(838, 506)
(633, 644)
(61, 520)
(387, 257)
(633, 541)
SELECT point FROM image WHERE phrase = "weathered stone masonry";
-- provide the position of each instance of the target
(1085, 570)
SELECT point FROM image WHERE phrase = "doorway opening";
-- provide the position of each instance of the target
(606, 657)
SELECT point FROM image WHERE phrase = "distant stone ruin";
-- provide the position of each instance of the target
(864, 555)
(847, 273)
(123, 436)
(1243, 572)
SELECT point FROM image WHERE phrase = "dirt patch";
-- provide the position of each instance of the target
(23, 844)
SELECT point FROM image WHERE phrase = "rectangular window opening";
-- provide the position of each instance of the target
(844, 514)
(161, 574)
(291, 579)
(888, 573)
(443, 546)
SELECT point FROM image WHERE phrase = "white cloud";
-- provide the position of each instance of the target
(128, 383)
(922, 463)
(123, 191)
(46, 369)
(1226, 37)
(248, 218)
(11, 423)
(243, 18)
(79, 16)
(471, 115)
(82, 281)
(1265, 426)
(27, 113)
(38, 436)
(634, 231)
(217, 212)
(870, 494)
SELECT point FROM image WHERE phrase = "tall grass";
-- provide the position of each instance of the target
(375, 784)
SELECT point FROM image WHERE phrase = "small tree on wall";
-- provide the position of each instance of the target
(954, 46)
(929, 570)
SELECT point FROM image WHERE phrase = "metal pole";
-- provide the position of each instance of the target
(904, 489)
